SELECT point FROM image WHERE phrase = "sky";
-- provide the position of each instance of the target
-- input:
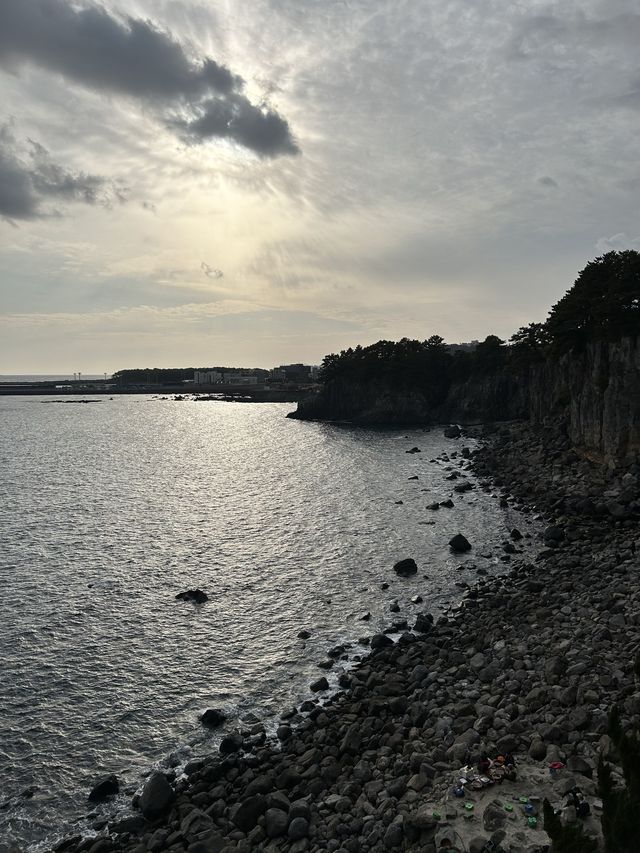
(257, 182)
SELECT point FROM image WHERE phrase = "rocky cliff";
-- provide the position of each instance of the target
(596, 393)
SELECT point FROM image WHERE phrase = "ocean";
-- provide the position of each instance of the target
(109, 510)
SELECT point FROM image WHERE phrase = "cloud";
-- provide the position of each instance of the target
(547, 181)
(28, 178)
(199, 98)
(211, 272)
(617, 243)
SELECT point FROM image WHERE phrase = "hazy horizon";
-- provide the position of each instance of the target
(184, 184)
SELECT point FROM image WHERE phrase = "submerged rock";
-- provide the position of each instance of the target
(197, 596)
(107, 787)
(212, 717)
(407, 567)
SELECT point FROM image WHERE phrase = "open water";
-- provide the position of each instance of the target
(110, 509)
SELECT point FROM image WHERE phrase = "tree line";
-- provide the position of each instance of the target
(603, 304)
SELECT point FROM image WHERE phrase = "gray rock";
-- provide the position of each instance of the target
(298, 828)
(106, 787)
(494, 817)
(246, 814)
(276, 822)
(157, 797)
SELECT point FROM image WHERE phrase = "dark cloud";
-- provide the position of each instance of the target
(30, 178)
(547, 181)
(236, 118)
(132, 57)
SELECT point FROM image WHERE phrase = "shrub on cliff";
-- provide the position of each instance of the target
(621, 806)
(566, 839)
(603, 304)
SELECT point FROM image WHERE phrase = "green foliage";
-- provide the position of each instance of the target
(621, 806)
(603, 304)
(566, 839)
(530, 344)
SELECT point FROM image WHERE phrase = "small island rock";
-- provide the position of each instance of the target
(197, 596)
(459, 544)
(407, 567)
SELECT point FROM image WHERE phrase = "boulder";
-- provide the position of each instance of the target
(414, 450)
(459, 544)
(275, 823)
(197, 596)
(452, 431)
(380, 641)
(304, 635)
(230, 744)
(106, 787)
(157, 797)
(320, 684)
(247, 813)
(448, 503)
(298, 828)
(424, 623)
(212, 718)
(407, 567)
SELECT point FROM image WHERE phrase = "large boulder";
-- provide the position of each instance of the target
(405, 568)
(247, 813)
(157, 797)
(212, 718)
(106, 787)
(459, 544)
(452, 431)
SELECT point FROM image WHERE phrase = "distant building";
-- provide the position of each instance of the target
(207, 377)
(217, 377)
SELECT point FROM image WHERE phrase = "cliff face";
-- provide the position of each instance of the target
(596, 393)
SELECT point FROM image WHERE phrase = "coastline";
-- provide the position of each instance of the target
(529, 663)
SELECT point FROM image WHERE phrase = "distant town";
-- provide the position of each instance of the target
(286, 381)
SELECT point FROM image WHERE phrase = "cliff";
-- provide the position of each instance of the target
(596, 393)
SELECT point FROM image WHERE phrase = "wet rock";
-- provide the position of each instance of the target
(197, 596)
(230, 744)
(434, 505)
(157, 796)
(459, 544)
(452, 431)
(448, 504)
(424, 623)
(304, 635)
(212, 718)
(413, 450)
(406, 567)
(105, 788)
(380, 641)
(319, 685)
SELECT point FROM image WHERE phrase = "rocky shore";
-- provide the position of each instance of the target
(529, 663)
